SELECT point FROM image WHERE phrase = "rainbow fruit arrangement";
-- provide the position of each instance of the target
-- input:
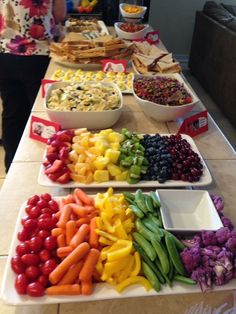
(87, 157)
(68, 245)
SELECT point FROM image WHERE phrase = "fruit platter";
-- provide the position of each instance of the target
(84, 247)
(79, 158)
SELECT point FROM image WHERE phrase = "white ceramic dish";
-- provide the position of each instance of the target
(188, 211)
(205, 179)
(132, 15)
(102, 291)
(131, 36)
(165, 113)
(80, 119)
(102, 25)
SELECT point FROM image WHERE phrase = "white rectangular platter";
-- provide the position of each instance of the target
(101, 291)
(205, 179)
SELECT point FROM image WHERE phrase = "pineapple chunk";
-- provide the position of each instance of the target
(105, 132)
(78, 178)
(101, 162)
(71, 167)
(115, 145)
(122, 176)
(79, 131)
(73, 156)
(114, 170)
(102, 145)
(89, 178)
(101, 175)
(115, 137)
(95, 151)
(112, 154)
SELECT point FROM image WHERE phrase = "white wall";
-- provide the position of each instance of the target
(175, 21)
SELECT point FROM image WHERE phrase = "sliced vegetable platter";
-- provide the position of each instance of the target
(101, 291)
(205, 178)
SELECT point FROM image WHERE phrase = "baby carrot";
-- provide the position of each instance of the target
(71, 275)
(89, 265)
(73, 216)
(57, 231)
(75, 256)
(61, 240)
(79, 210)
(58, 214)
(77, 199)
(64, 251)
(64, 217)
(93, 236)
(64, 290)
(83, 197)
(80, 235)
(86, 287)
(82, 221)
(70, 230)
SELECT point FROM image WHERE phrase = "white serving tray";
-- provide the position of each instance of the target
(102, 291)
(205, 179)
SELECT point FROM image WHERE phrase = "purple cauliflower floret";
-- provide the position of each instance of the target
(227, 222)
(222, 235)
(195, 241)
(225, 258)
(208, 238)
(211, 250)
(203, 276)
(231, 244)
(218, 202)
(191, 258)
(223, 268)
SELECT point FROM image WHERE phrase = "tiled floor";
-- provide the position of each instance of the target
(228, 130)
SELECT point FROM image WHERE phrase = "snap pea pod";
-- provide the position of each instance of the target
(148, 203)
(145, 245)
(155, 199)
(137, 211)
(155, 220)
(148, 223)
(149, 262)
(151, 277)
(158, 264)
(174, 255)
(145, 232)
(184, 279)
(140, 201)
(180, 246)
(165, 265)
(172, 271)
(128, 195)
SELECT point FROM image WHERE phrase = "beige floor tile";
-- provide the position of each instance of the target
(20, 184)
(152, 305)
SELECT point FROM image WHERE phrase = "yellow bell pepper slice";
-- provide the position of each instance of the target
(104, 241)
(120, 253)
(112, 267)
(137, 267)
(106, 235)
(125, 273)
(133, 280)
(119, 230)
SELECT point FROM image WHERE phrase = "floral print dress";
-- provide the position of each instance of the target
(26, 26)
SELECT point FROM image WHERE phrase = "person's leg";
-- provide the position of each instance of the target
(16, 109)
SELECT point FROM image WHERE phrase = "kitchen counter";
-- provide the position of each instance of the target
(21, 183)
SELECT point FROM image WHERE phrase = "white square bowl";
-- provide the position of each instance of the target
(188, 211)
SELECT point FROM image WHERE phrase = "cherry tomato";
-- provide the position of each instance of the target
(23, 219)
(23, 235)
(80, 9)
(46, 210)
(22, 248)
(28, 208)
(30, 224)
(42, 203)
(35, 289)
(42, 216)
(44, 255)
(35, 244)
(53, 205)
(47, 197)
(48, 267)
(35, 232)
(47, 223)
(34, 212)
(17, 264)
(50, 243)
(43, 280)
(43, 234)
(32, 272)
(30, 259)
(33, 200)
(21, 283)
